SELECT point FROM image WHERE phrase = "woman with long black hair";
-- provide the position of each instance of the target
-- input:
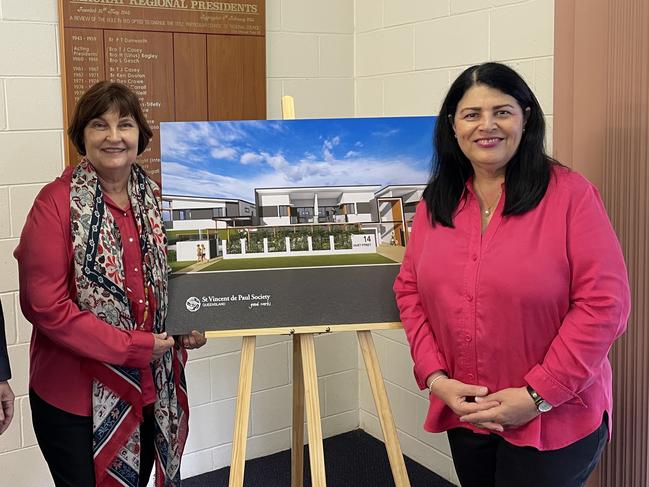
(512, 290)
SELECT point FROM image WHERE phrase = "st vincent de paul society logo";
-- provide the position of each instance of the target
(193, 304)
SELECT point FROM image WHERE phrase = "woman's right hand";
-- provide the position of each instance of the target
(459, 397)
(161, 344)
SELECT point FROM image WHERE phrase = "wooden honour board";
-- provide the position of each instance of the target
(186, 60)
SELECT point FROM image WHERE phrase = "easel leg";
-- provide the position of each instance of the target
(316, 452)
(392, 445)
(297, 448)
(242, 416)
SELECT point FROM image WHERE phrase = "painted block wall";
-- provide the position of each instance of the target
(310, 56)
(31, 154)
(407, 54)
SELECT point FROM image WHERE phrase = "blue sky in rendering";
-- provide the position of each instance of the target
(231, 159)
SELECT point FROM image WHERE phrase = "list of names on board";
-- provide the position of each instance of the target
(86, 53)
(158, 48)
(141, 60)
(144, 62)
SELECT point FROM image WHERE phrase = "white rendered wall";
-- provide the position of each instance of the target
(186, 251)
(407, 54)
(180, 204)
(194, 224)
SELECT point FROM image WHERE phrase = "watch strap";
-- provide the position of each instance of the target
(541, 404)
(535, 396)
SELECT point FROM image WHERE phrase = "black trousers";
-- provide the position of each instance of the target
(489, 461)
(66, 442)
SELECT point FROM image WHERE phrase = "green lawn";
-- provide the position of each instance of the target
(301, 261)
(176, 265)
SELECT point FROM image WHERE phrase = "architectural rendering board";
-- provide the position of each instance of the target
(289, 223)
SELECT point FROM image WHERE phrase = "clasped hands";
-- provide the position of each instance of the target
(473, 404)
(163, 342)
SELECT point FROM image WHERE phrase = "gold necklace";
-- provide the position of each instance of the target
(487, 211)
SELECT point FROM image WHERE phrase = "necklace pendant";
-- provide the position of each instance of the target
(487, 212)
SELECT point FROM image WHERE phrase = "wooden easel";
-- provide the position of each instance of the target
(305, 393)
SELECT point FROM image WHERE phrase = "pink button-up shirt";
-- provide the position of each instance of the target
(536, 299)
(64, 338)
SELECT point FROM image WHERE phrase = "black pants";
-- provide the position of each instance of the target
(66, 442)
(489, 461)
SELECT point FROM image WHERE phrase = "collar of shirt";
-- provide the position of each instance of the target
(115, 206)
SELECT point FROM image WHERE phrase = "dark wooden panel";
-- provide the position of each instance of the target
(159, 48)
(144, 62)
(231, 17)
(236, 77)
(190, 77)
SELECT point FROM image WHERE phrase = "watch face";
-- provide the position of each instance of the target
(544, 406)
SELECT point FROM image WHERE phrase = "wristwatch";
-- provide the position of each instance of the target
(542, 406)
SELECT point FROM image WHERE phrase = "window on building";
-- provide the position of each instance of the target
(363, 208)
(218, 212)
(166, 215)
(201, 214)
(232, 209)
(305, 214)
(284, 210)
(268, 211)
(326, 213)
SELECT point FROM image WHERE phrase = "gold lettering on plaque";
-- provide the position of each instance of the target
(231, 7)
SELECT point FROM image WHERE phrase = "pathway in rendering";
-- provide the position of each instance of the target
(392, 252)
(198, 266)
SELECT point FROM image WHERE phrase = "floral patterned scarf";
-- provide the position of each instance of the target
(99, 278)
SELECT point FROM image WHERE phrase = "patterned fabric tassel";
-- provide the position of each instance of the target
(99, 278)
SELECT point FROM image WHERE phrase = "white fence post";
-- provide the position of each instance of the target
(309, 241)
(243, 246)
(224, 248)
(265, 245)
(288, 243)
(331, 243)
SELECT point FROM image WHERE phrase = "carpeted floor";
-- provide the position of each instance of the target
(351, 459)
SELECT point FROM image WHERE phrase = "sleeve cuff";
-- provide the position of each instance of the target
(549, 388)
(140, 350)
(424, 368)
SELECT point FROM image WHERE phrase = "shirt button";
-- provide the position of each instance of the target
(469, 298)
(467, 339)
(135, 269)
(124, 213)
(471, 376)
(474, 257)
(140, 301)
(130, 239)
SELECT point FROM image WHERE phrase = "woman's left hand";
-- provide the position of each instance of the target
(516, 408)
(194, 340)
